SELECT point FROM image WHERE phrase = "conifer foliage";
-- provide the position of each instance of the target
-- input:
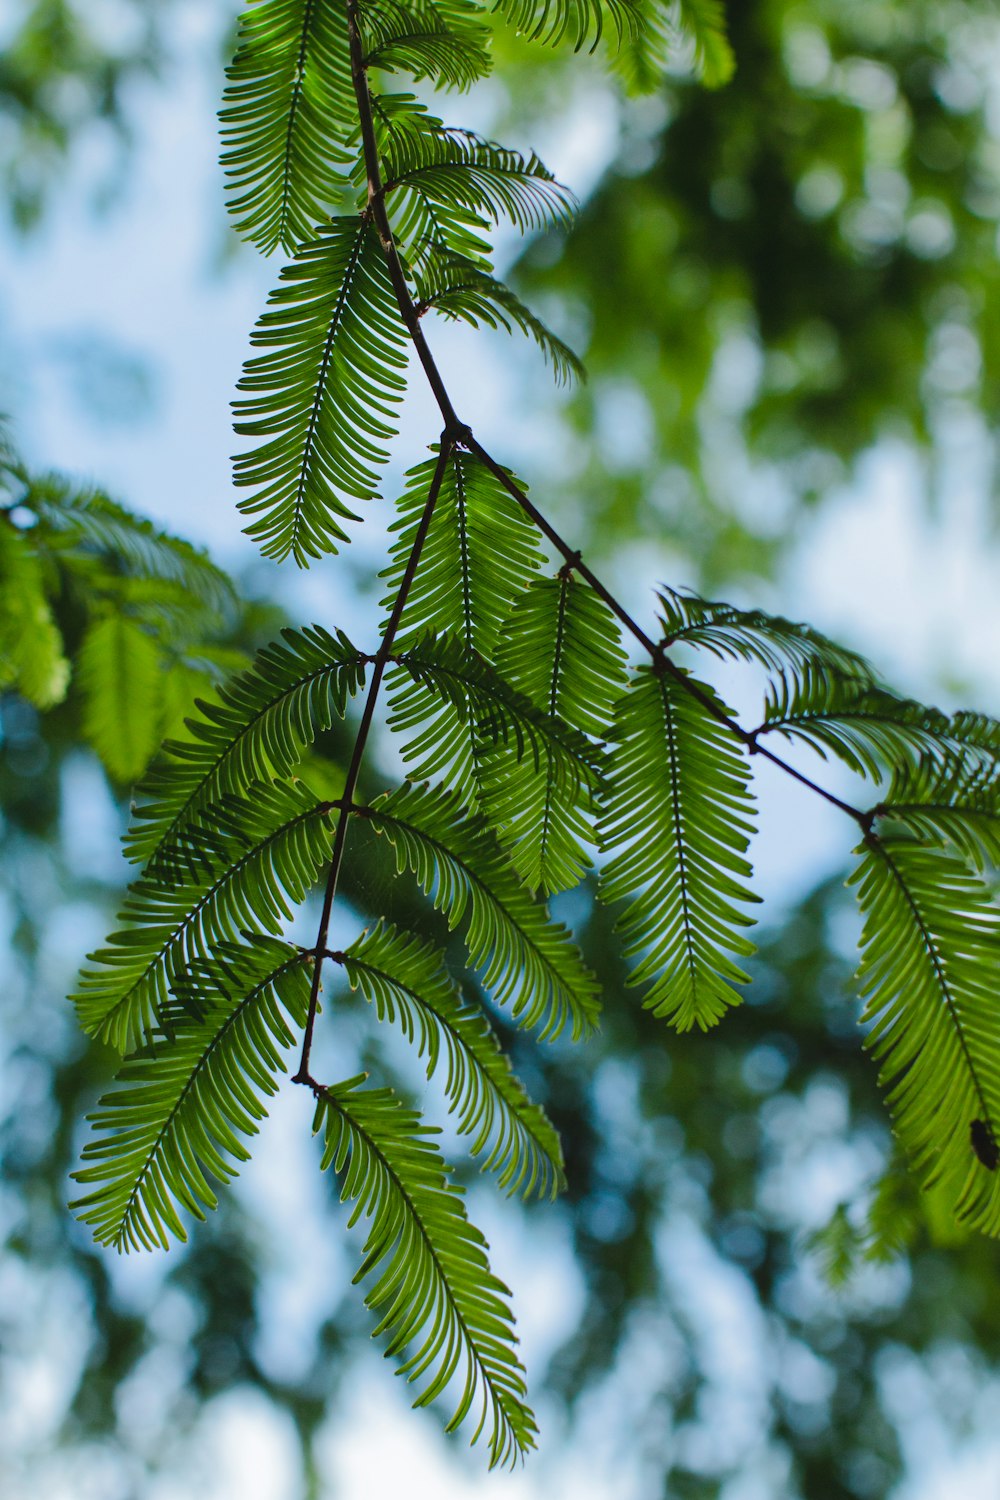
(544, 730)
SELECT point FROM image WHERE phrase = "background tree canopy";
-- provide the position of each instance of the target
(829, 221)
(779, 272)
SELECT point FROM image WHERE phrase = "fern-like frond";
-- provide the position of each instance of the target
(119, 676)
(443, 1311)
(192, 676)
(471, 725)
(322, 398)
(560, 647)
(255, 855)
(732, 634)
(407, 983)
(837, 1245)
(420, 225)
(677, 826)
(954, 801)
(526, 960)
(643, 36)
(464, 172)
(442, 40)
(976, 734)
(257, 730)
(444, 185)
(865, 726)
(929, 978)
(895, 1211)
(286, 119)
(479, 553)
(459, 288)
(182, 1103)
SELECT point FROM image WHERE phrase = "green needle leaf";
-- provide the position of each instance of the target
(287, 117)
(184, 1100)
(120, 676)
(928, 974)
(323, 397)
(254, 856)
(443, 1312)
(677, 825)
(526, 960)
(259, 728)
(406, 981)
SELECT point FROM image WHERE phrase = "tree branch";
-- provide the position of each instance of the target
(574, 562)
(458, 432)
(376, 205)
(346, 800)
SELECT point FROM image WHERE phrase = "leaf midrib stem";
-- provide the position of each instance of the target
(677, 818)
(187, 921)
(298, 79)
(357, 755)
(337, 315)
(565, 584)
(193, 1077)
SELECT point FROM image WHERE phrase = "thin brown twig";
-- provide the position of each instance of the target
(376, 206)
(573, 561)
(346, 800)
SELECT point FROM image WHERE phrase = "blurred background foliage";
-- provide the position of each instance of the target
(766, 280)
(65, 73)
(772, 277)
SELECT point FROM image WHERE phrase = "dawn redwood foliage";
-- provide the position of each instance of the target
(539, 722)
(94, 596)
